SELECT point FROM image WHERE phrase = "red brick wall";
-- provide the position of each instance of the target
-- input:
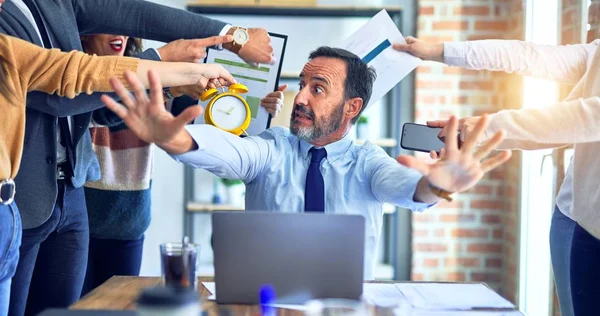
(594, 21)
(571, 22)
(475, 237)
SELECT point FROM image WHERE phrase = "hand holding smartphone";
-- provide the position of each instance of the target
(419, 137)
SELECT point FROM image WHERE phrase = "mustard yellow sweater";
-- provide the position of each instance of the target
(32, 68)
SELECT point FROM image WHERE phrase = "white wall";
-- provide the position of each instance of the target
(167, 189)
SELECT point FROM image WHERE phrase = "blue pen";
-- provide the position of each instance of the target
(267, 297)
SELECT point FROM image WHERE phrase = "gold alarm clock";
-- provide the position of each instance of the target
(228, 111)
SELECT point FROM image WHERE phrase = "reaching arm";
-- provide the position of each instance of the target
(225, 154)
(396, 184)
(559, 63)
(64, 74)
(526, 145)
(106, 117)
(69, 74)
(59, 106)
(576, 121)
(565, 64)
(143, 19)
(566, 122)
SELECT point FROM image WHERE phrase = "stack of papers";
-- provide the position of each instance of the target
(426, 299)
(450, 296)
(433, 299)
(469, 313)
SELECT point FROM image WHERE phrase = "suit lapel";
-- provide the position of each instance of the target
(81, 123)
(56, 26)
(28, 32)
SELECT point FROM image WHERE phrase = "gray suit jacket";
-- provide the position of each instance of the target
(65, 21)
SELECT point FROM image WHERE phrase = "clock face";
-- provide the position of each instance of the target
(228, 112)
(240, 36)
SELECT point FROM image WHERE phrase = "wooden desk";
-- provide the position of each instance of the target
(121, 292)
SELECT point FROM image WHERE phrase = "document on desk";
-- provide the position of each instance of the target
(449, 296)
(466, 313)
(381, 294)
(373, 43)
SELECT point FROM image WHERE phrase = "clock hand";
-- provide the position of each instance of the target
(222, 111)
(229, 112)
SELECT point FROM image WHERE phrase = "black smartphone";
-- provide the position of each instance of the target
(420, 137)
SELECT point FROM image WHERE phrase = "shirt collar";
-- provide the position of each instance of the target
(334, 150)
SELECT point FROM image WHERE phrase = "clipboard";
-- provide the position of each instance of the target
(260, 81)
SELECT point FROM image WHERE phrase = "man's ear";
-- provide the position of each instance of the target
(353, 107)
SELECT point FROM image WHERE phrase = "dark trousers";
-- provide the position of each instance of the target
(110, 257)
(585, 272)
(53, 257)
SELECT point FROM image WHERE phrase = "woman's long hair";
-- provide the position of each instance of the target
(134, 46)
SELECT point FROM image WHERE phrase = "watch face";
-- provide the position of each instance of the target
(240, 36)
(228, 112)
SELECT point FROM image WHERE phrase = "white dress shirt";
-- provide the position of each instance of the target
(273, 165)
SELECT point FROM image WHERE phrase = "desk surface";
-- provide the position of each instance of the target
(121, 292)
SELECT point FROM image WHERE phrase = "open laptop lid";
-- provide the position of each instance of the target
(302, 255)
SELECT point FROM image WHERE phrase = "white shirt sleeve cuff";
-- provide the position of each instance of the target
(416, 206)
(223, 32)
(455, 53)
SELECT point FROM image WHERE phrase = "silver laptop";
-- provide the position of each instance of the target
(301, 255)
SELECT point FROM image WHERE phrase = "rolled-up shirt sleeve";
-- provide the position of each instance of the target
(226, 155)
(392, 182)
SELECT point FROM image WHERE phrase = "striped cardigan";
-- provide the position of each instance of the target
(119, 203)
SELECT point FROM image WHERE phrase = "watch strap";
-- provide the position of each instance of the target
(168, 95)
(441, 193)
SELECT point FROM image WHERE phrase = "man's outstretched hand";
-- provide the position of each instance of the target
(460, 169)
(147, 116)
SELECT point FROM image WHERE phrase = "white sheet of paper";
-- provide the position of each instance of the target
(386, 295)
(374, 39)
(451, 296)
(211, 287)
(466, 313)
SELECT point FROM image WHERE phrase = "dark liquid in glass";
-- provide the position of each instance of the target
(172, 264)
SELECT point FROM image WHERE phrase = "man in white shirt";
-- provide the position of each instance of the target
(314, 166)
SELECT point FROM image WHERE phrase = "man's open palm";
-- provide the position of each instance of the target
(460, 169)
(147, 117)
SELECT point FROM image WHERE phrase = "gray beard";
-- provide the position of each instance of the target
(319, 129)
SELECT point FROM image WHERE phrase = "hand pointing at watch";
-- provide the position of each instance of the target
(253, 45)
